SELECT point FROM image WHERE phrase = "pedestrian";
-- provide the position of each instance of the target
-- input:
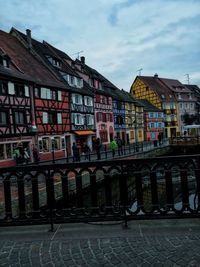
(26, 155)
(119, 145)
(76, 154)
(159, 138)
(36, 156)
(86, 151)
(16, 155)
(113, 146)
(98, 148)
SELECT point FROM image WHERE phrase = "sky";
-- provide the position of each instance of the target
(119, 38)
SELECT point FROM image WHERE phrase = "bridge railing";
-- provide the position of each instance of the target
(164, 187)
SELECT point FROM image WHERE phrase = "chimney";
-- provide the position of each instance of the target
(28, 37)
(83, 60)
(156, 75)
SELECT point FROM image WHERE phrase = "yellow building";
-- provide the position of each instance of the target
(157, 92)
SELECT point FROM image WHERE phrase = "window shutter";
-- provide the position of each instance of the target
(98, 98)
(59, 95)
(83, 120)
(97, 116)
(11, 88)
(92, 119)
(111, 117)
(104, 117)
(80, 99)
(45, 117)
(26, 88)
(59, 118)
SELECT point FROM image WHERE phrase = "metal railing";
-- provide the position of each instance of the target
(164, 187)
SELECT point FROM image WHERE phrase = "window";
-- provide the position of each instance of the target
(78, 82)
(45, 93)
(119, 105)
(26, 89)
(6, 151)
(59, 95)
(79, 119)
(151, 115)
(59, 118)
(89, 119)
(119, 120)
(88, 101)
(37, 92)
(45, 117)
(77, 99)
(19, 90)
(57, 143)
(19, 117)
(45, 144)
(11, 88)
(52, 117)
(3, 88)
(3, 117)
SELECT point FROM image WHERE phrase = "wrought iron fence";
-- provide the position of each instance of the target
(164, 187)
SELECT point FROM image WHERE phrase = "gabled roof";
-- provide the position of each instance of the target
(92, 73)
(175, 85)
(26, 63)
(156, 84)
(194, 88)
(43, 50)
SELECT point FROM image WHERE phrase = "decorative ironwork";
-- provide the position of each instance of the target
(163, 187)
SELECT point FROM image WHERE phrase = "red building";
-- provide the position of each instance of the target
(35, 99)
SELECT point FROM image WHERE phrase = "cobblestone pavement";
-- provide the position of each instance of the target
(144, 244)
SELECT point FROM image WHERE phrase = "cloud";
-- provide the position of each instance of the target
(118, 37)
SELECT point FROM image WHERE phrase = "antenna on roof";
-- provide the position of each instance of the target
(77, 53)
(187, 78)
(139, 72)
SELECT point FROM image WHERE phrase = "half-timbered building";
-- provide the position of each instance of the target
(102, 100)
(16, 117)
(50, 101)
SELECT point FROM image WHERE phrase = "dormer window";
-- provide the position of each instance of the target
(54, 61)
(4, 62)
(163, 97)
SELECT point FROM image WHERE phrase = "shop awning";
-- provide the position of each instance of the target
(84, 132)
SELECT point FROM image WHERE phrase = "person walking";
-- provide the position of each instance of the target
(86, 151)
(113, 146)
(119, 145)
(159, 138)
(98, 148)
(36, 156)
(75, 150)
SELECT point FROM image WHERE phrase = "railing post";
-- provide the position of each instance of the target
(35, 197)
(21, 197)
(105, 148)
(7, 197)
(124, 193)
(50, 198)
(154, 190)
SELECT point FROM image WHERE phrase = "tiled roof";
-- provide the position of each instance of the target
(45, 49)
(158, 86)
(25, 62)
(175, 85)
(194, 88)
(148, 106)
